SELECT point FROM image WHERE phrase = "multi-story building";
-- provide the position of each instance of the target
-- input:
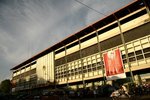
(77, 61)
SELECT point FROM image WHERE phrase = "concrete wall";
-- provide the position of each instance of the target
(45, 68)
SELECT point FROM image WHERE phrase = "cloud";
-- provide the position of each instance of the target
(104, 7)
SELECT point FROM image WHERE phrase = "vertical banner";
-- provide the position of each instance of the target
(113, 65)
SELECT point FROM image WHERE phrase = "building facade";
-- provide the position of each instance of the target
(77, 61)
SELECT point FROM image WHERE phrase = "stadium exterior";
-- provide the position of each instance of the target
(77, 61)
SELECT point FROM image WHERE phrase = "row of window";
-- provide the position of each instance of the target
(28, 73)
(22, 83)
(91, 63)
(107, 44)
(78, 71)
(25, 68)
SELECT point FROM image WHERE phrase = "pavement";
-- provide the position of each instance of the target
(143, 97)
(139, 97)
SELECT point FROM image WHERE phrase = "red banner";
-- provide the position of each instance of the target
(113, 65)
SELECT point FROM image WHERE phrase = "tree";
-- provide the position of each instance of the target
(6, 86)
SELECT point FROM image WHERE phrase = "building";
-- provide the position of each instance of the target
(77, 61)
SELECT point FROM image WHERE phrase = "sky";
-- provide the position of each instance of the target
(28, 27)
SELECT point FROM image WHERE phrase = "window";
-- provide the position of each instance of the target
(84, 71)
(133, 16)
(111, 42)
(147, 55)
(132, 59)
(136, 33)
(89, 50)
(131, 54)
(146, 50)
(94, 69)
(139, 57)
(139, 52)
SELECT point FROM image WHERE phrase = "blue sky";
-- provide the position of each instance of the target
(27, 27)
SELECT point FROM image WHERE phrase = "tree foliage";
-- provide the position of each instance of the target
(6, 86)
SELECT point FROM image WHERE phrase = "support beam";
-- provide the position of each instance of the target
(100, 53)
(125, 48)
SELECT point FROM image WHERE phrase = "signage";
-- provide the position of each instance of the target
(113, 65)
